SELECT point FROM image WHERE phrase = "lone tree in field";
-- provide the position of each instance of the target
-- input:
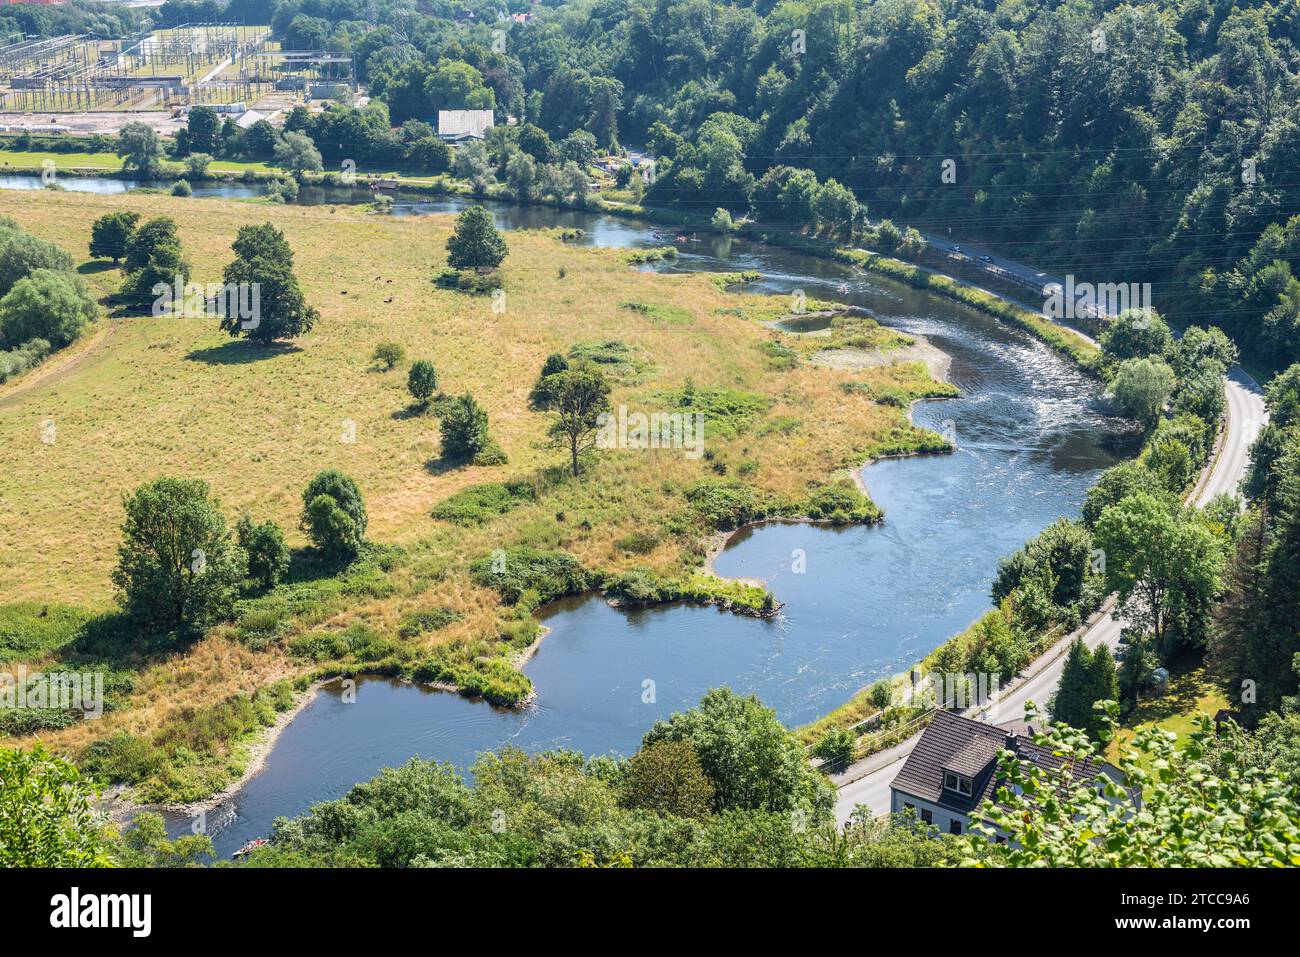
(577, 396)
(475, 243)
(334, 515)
(422, 381)
(177, 565)
(465, 430)
(388, 354)
(264, 265)
(110, 234)
(141, 149)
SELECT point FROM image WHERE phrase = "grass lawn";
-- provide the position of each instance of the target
(164, 396)
(1190, 693)
(111, 162)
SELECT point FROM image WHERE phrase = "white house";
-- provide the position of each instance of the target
(953, 769)
(457, 126)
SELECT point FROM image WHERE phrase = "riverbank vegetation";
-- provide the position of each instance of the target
(257, 422)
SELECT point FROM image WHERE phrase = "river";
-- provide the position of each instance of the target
(1032, 435)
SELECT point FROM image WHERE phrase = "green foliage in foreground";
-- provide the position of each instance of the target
(47, 818)
(723, 784)
(1199, 806)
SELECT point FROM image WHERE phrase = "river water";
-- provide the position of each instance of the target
(1032, 435)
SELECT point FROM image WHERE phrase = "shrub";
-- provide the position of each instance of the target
(482, 503)
(182, 188)
(421, 622)
(513, 571)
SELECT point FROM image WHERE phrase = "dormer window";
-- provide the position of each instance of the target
(956, 783)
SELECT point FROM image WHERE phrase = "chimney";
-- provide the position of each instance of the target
(1009, 742)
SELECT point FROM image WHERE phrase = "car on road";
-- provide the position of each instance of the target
(986, 259)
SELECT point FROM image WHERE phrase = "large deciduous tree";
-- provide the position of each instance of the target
(177, 564)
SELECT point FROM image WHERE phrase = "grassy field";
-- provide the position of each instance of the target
(109, 162)
(150, 397)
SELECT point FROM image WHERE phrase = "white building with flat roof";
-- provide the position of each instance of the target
(456, 126)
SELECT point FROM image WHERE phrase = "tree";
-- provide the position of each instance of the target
(1115, 484)
(1063, 549)
(464, 430)
(521, 175)
(268, 555)
(177, 565)
(578, 396)
(141, 149)
(539, 397)
(54, 306)
(579, 147)
(752, 761)
(667, 778)
(1073, 702)
(1136, 334)
(47, 813)
(203, 131)
(475, 242)
(1164, 564)
(1190, 813)
(21, 255)
(429, 153)
(422, 381)
(334, 515)
(1141, 387)
(110, 234)
(297, 153)
(388, 354)
(264, 263)
(1169, 461)
(154, 258)
(196, 165)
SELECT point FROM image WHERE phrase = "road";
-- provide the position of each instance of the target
(867, 781)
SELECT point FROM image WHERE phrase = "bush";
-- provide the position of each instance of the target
(836, 747)
(421, 622)
(482, 503)
(182, 188)
(726, 505)
(334, 515)
(549, 575)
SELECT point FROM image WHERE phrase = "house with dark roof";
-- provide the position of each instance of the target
(953, 769)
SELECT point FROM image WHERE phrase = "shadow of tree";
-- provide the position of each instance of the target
(95, 266)
(241, 352)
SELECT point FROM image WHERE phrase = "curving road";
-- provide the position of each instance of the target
(867, 781)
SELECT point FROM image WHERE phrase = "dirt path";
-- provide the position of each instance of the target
(62, 365)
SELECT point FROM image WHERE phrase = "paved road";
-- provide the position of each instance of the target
(867, 781)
